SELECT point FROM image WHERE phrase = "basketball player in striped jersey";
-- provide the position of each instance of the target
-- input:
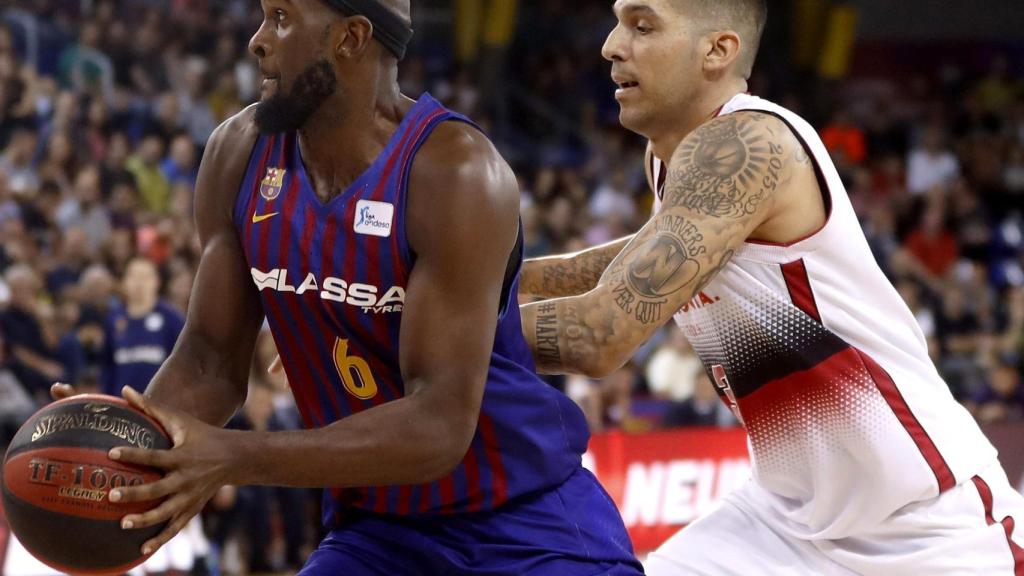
(379, 236)
(863, 463)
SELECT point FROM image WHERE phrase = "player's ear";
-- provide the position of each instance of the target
(721, 49)
(355, 35)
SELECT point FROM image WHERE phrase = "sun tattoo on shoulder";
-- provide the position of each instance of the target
(723, 163)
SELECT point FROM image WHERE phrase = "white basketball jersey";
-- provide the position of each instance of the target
(847, 418)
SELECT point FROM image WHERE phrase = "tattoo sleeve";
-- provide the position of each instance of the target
(568, 275)
(721, 185)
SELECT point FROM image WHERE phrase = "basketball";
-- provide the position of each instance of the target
(56, 478)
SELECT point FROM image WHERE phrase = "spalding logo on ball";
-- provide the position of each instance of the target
(57, 477)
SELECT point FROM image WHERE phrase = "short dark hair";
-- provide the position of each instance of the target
(747, 17)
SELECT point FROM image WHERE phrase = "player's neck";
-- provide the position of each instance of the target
(705, 108)
(343, 138)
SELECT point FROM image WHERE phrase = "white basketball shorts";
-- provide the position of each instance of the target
(973, 529)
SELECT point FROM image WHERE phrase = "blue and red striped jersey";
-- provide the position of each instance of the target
(332, 279)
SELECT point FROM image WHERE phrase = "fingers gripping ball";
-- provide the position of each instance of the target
(57, 477)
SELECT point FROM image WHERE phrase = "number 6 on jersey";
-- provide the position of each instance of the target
(354, 371)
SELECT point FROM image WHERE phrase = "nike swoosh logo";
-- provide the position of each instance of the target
(256, 219)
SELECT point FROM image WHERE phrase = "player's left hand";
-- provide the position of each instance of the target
(195, 468)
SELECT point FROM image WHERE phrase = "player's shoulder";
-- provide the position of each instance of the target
(744, 123)
(222, 171)
(464, 158)
(457, 146)
(234, 137)
(747, 139)
(460, 174)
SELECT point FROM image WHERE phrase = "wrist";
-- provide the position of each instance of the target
(240, 460)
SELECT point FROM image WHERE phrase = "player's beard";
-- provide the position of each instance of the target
(289, 112)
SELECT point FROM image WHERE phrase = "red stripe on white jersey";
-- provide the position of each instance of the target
(1008, 525)
(799, 286)
(894, 398)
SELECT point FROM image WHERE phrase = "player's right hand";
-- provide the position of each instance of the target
(60, 391)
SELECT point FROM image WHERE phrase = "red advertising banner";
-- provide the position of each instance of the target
(662, 481)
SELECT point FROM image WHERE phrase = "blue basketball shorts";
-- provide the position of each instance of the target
(573, 529)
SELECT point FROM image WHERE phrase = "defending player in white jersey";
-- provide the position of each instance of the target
(863, 461)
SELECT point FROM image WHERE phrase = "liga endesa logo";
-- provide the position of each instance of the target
(374, 218)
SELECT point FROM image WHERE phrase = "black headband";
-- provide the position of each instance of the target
(388, 28)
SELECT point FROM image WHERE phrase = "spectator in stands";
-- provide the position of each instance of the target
(196, 116)
(673, 369)
(62, 338)
(32, 361)
(1002, 399)
(141, 333)
(96, 299)
(84, 68)
(885, 136)
(844, 140)
(15, 403)
(59, 163)
(16, 105)
(931, 243)
(703, 408)
(959, 335)
(998, 89)
(16, 161)
(931, 164)
(154, 190)
(85, 209)
(179, 167)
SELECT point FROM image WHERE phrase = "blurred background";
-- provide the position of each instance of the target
(106, 105)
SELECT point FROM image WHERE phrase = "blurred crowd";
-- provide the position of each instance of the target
(105, 107)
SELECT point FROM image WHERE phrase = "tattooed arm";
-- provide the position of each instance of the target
(568, 274)
(576, 273)
(727, 179)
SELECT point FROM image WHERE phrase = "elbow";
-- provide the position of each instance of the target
(451, 444)
(604, 365)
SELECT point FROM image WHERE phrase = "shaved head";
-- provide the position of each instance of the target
(746, 17)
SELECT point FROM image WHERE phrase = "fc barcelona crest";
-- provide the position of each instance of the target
(270, 187)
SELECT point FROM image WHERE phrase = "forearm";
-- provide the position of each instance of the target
(578, 335)
(568, 274)
(407, 441)
(198, 380)
(597, 332)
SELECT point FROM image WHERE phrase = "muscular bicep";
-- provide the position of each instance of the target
(723, 183)
(454, 290)
(224, 309)
(224, 312)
